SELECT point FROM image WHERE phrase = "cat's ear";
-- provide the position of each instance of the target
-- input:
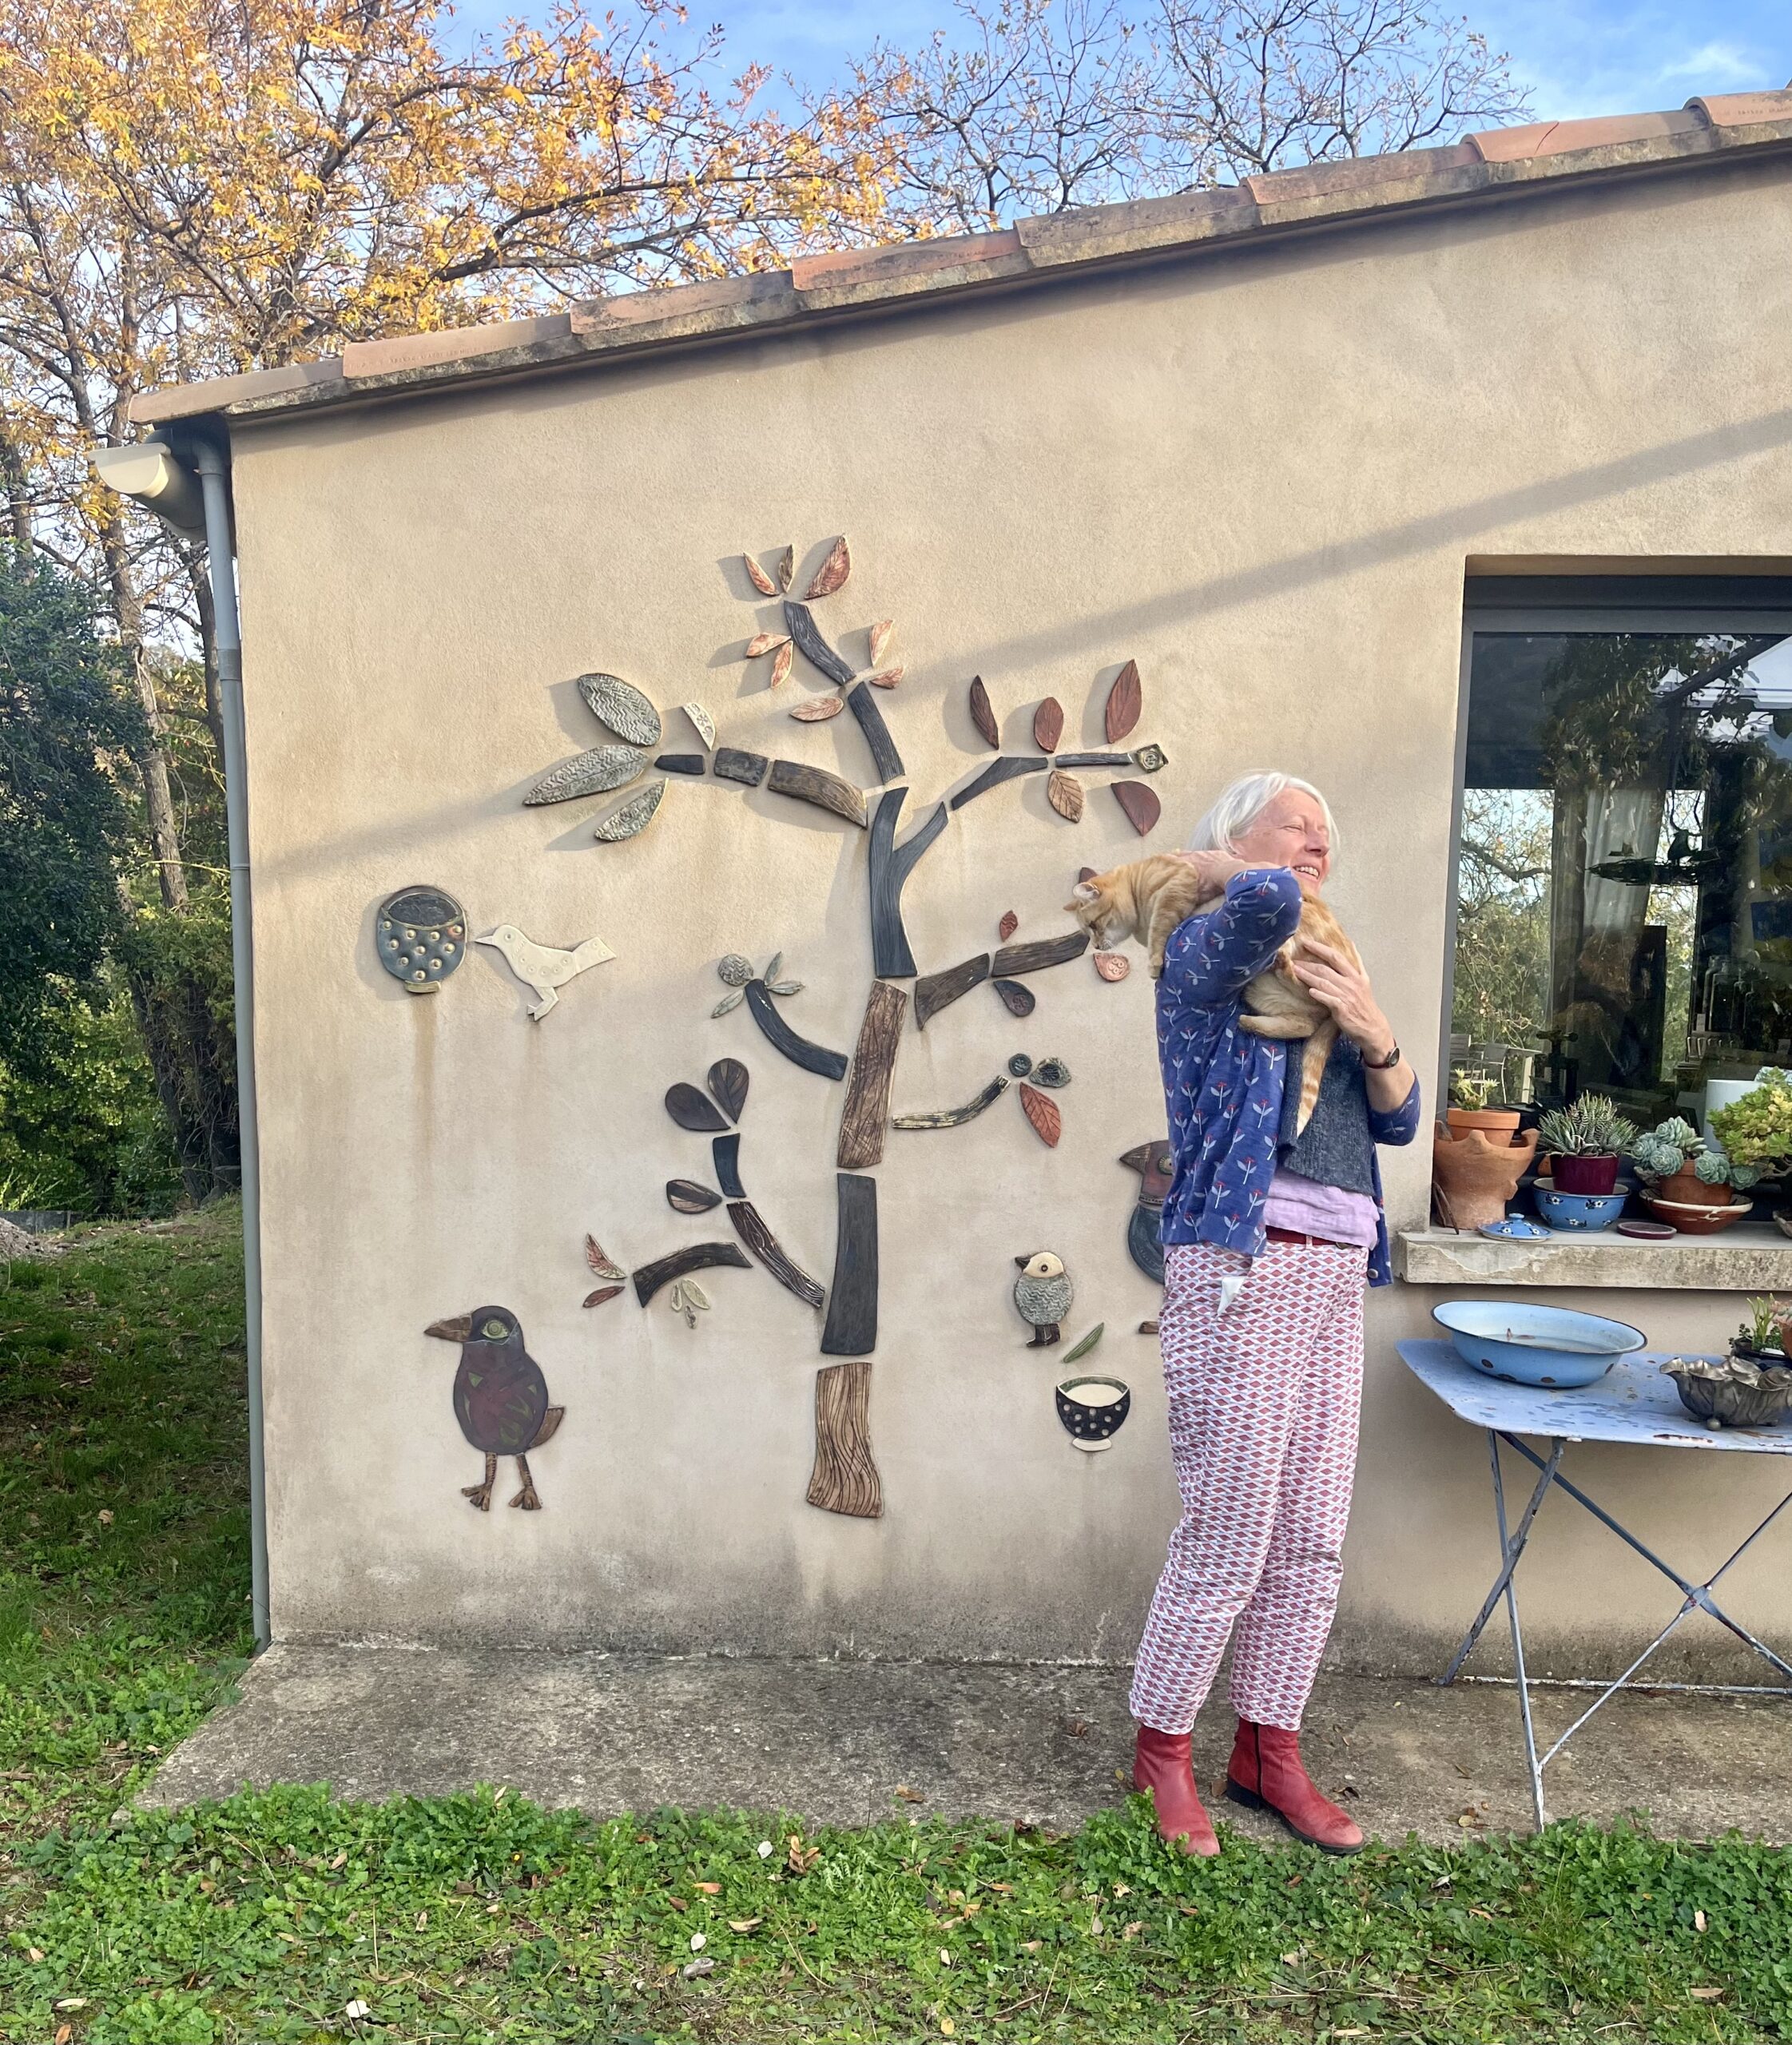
(1084, 892)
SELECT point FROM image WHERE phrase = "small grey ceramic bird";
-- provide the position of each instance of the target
(1042, 1293)
(543, 966)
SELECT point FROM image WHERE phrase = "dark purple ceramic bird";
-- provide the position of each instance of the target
(500, 1397)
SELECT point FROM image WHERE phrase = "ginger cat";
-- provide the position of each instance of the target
(1147, 900)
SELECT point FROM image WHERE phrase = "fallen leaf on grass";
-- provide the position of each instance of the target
(745, 1924)
(678, 1903)
(1706, 1995)
(694, 1968)
(1699, 1920)
(105, 1518)
(947, 2026)
(698, 1941)
(945, 1957)
(709, 1888)
(1133, 1930)
(909, 1796)
(64, 2033)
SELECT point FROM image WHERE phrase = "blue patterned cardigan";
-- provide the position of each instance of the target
(1223, 1086)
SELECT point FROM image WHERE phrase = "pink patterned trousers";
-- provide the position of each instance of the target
(1265, 1381)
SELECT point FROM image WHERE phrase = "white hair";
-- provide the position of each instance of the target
(1241, 802)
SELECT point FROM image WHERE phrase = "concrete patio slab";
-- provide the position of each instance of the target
(834, 1742)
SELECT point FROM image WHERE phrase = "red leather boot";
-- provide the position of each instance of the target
(1266, 1773)
(1160, 1764)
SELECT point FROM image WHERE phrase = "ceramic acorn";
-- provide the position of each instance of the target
(1043, 1293)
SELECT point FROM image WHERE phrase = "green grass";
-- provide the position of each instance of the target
(484, 1917)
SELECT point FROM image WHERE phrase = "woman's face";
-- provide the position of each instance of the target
(1291, 831)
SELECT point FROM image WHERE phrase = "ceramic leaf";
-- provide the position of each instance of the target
(833, 573)
(787, 567)
(819, 710)
(622, 706)
(728, 1001)
(593, 773)
(766, 642)
(1064, 792)
(780, 663)
(882, 633)
(603, 1265)
(756, 575)
(634, 817)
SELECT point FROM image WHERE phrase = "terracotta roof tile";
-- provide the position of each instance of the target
(449, 344)
(1556, 138)
(1487, 167)
(182, 400)
(1744, 109)
(1319, 181)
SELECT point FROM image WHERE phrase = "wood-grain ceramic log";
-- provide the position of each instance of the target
(816, 785)
(1096, 760)
(1039, 953)
(891, 865)
(884, 756)
(982, 713)
(681, 763)
(1042, 1112)
(1018, 1000)
(956, 1117)
(844, 1478)
(725, 1151)
(1125, 700)
(749, 1225)
(812, 1057)
(1009, 767)
(693, 1256)
(733, 765)
(1048, 724)
(813, 648)
(851, 1325)
(1141, 804)
(939, 990)
(867, 1113)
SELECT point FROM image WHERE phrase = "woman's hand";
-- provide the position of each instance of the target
(1333, 978)
(1214, 869)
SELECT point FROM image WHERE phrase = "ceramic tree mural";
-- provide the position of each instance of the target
(791, 639)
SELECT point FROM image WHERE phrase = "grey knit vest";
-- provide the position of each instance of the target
(1335, 1148)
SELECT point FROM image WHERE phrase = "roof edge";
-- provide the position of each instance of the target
(1498, 163)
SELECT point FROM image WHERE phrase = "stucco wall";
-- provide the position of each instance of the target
(1260, 477)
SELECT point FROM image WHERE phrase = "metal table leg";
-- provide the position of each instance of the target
(1694, 1597)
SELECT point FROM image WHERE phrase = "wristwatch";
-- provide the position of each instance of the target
(1383, 1064)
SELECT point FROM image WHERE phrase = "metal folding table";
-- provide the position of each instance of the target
(1633, 1403)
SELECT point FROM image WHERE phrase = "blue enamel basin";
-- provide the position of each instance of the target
(1527, 1344)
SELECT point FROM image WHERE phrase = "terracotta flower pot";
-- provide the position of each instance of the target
(1473, 1174)
(1584, 1174)
(1686, 1188)
(1491, 1120)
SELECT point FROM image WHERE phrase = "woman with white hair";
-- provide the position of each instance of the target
(1270, 1232)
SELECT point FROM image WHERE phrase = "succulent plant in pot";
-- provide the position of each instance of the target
(1761, 1339)
(1682, 1167)
(1585, 1141)
(1757, 1130)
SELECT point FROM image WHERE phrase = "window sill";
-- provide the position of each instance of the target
(1749, 1258)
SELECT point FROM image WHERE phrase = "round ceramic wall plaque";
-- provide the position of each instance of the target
(420, 934)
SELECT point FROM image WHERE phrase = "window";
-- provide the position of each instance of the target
(1623, 898)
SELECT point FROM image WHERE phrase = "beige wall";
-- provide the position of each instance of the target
(1260, 477)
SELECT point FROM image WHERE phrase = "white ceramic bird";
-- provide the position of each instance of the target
(1043, 1293)
(542, 967)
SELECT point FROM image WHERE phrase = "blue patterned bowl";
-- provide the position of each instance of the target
(1582, 1211)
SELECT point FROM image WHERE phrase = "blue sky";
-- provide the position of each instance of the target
(1577, 56)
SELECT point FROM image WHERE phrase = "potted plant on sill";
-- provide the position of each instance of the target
(1586, 1141)
(1681, 1167)
(1470, 1093)
(1756, 1129)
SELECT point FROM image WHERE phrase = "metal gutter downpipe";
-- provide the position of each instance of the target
(220, 553)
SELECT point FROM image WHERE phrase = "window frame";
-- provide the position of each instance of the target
(1592, 604)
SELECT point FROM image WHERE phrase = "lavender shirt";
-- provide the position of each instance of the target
(1309, 1209)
